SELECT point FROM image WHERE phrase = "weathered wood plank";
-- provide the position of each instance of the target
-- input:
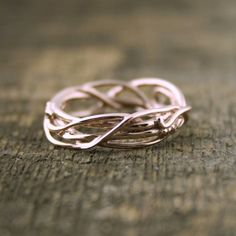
(184, 186)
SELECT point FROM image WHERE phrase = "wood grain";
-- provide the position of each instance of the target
(184, 186)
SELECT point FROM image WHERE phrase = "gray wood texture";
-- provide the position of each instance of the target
(184, 186)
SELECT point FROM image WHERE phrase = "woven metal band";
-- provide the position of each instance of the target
(115, 114)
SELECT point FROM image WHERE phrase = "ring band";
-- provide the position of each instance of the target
(130, 114)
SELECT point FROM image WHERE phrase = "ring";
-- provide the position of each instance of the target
(115, 114)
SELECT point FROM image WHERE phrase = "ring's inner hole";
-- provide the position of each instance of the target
(125, 100)
(162, 99)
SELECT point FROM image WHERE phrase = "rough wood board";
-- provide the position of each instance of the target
(184, 186)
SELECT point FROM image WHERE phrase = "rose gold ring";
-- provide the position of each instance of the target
(115, 114)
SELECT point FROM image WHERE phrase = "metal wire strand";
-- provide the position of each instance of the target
(148, 121)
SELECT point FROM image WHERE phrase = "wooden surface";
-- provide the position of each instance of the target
(184, 186)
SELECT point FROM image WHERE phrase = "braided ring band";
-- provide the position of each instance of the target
(130, 114)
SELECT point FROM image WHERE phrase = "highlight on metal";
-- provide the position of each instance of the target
(115, 114)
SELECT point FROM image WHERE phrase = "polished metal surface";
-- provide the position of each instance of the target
(130, 114)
